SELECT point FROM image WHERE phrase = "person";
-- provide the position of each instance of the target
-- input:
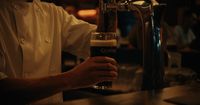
(196, 43)
(32, 36)
(183, 32)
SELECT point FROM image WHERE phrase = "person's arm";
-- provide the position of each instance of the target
(91, 71)
(22, 91)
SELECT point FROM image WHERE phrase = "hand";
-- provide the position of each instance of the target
(94, 70)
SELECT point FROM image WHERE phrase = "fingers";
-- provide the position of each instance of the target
(102, 68)
(105, 66)
(112, 74)
(106, 75)
(104, 59)
(104, 63)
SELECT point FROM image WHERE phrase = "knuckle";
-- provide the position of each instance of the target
(114, 74)
(115, 68)
(107, 64)
(105, 57)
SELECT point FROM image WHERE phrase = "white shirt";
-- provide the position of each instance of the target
(32, 36)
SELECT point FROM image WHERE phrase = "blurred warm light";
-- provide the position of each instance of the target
(87, 13)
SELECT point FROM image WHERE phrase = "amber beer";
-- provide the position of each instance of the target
(103, 44)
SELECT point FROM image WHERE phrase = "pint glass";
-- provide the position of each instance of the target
(103, 44)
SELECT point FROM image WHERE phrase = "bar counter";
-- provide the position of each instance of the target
(177, 95)
(126, 90)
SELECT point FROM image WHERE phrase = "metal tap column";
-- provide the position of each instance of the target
(107, 20)
(153, 53)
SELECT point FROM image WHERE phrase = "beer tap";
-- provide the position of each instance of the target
(107, 20)
(153, 52)
(150, 15)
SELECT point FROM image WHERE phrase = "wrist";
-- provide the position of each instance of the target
(67, 81)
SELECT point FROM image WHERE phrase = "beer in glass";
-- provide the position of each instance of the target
(103, 44)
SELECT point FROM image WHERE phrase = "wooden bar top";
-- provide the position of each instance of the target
(181, 95)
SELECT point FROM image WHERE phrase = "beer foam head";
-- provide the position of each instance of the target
(103, 42)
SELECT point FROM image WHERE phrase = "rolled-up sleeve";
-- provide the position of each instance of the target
(76, 35)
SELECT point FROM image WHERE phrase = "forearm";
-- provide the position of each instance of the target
(23, 91)
(92, 71)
